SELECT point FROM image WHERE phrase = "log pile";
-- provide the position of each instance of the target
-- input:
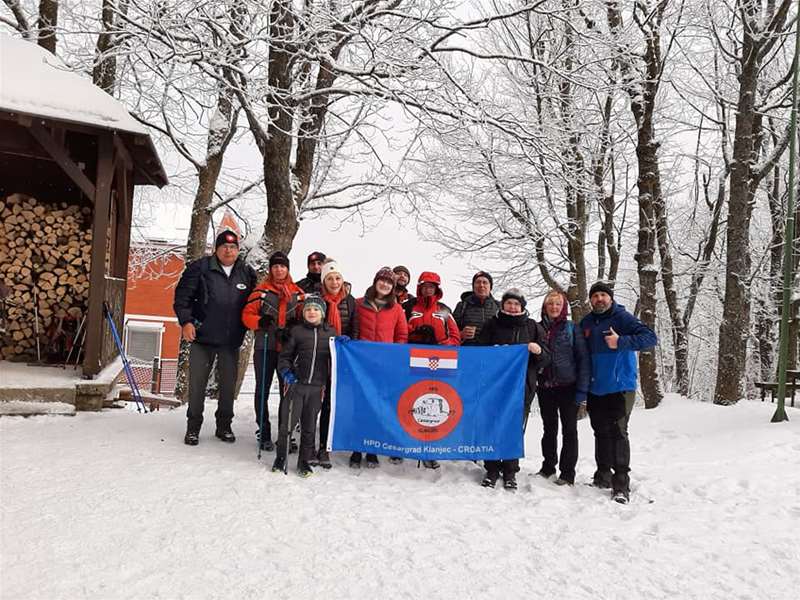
(45, 256)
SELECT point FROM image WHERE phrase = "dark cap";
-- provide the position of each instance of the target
(601, 286)
(279, 258)
(483, 274)
(226, 237)
(320, 256)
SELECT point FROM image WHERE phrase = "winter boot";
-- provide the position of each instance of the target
(192, 438)
(304, 469)
(602, 480)
(324, 459)
(510, 482)
(372, 461)
(266, 444)
(621, 497)
(355, 460)
(279, 465)
(431, 464)
(226, 435)
(562, 481)
(490, 480)
(396, 460)
(546, 473)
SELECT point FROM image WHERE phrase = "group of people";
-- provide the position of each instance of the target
(573, 369)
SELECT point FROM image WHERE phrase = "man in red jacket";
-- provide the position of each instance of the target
(431, 322)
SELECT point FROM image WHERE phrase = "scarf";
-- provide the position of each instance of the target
(333, 316)
(284, 289)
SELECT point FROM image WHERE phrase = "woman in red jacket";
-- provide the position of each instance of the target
(432, 322)
(270, 310)
(379, 318)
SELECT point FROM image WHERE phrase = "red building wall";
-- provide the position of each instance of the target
(150, 292)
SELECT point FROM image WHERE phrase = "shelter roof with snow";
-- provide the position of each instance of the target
(37, 84)
(67, 146)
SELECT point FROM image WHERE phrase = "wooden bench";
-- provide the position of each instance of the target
(792, 386)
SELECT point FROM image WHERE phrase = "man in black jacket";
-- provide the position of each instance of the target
(312, 282)
(208, 303)
(476, 307)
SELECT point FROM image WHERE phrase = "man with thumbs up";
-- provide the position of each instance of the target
(614, 336)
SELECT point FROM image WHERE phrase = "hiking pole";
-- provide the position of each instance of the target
(288, 397)
(75, 340)
(126, 366)
(36, 329)
(80, 349)
(261, 401)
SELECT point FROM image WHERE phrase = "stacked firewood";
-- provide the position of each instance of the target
(45, 255)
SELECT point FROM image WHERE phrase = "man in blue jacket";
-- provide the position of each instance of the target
(613, 336)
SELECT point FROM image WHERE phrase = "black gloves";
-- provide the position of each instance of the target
(423, 335)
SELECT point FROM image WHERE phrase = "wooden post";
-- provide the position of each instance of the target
(94, 321)
(124, 186)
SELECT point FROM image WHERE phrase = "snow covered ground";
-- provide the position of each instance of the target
(114, 505)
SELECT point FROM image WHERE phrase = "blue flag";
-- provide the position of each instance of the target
(428, 402)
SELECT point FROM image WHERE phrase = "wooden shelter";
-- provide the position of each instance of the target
(64, 140)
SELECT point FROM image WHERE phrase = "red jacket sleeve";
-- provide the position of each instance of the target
(454, 337)
(400, 326)
(251, 313)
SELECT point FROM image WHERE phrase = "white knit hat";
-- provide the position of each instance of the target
(328, 268)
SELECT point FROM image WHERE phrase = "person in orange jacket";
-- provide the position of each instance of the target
(271, 309)
(431, 321)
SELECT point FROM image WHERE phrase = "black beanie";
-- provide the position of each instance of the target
(513, 294)
(226, 237)
(278, 258)
(601, 286)
(483, 274)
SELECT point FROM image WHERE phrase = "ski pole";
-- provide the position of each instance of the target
(289, 399)
(75, 340)
(36, 323)
(261, 401)
(126, 367)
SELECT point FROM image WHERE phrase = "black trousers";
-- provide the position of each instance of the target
(201, 359)
(305, 401)
(609, 415)
(264, 381)
(555, 403)
(507, 467)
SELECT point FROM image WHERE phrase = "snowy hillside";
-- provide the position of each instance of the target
(113, 505)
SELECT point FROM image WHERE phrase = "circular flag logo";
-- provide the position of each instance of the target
(429, 410)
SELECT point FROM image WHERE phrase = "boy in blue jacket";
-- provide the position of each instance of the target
(614, 336)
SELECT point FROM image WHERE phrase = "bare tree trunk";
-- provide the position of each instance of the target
(48, 21)
(642, 93)
(735, 326)
(221, 130)
(104, 73)
(757, 38)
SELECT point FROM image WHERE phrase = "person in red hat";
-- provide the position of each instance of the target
(379, 318)
(431, 321)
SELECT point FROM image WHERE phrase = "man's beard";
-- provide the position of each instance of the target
(600, 308)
